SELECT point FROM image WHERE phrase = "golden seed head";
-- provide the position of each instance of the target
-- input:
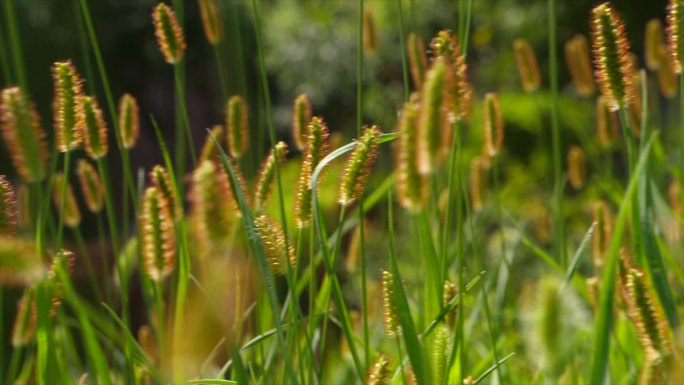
(209, 150)
(577, 167)
(94, 128)
(25, 322)
(527, 65)
(370, 32)
(158, 241)
(24, 138)
(607, 126)
(477, 182)
(211, 20)
(266, 176)
(212, 208)
(614, 71)
(417, 59)
(432, 115)
(160, 179)
(70, 212)
(389, 305)
(675, 19)
(493, 125)
(8, 207)
(653, 44)
(379, 373)
(273, 240)
(411, 184)
(579, 65)
(129, 121)
(316, 147)
(353, 179)
(169, 34)
(301, 117)
(236, 121)
(68, 106)
(91, 185)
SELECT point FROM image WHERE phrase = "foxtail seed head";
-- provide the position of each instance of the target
(211, 21)
(160, 179)
(266, 174)
(370, 32)
(431, 117)
(209, 148)
(446, 45)
(653, 44)
(91, 185)
(493, 125)
(316, 147)
(411, 185)
(8, 207)
(667, 79)
(94, 128)
(63, 260)
(607, 127)
(158, 242)
(68, 106)
(477, 182)
(301, 117)
(675, 24)
(25, 322)
(600, 242)
(673, 196)
(129, 121)
(441, 351)
(417, 59)
(389, 305)
(379, 373)
(169, 34)
(24, 138)
(577, 167)
(579, 64)
(236, 121)
(211, 203)
(614, 71)
(70, 212)
(353, 179)
(273, 240)
(527, 65)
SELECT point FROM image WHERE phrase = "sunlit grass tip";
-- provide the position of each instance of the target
(212, 208)
(169, 34)
(675, 43)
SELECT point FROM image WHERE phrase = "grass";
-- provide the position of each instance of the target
(235, 309)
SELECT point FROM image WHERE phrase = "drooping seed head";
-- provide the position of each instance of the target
(25, 321)
(379, 373)
(370, 32)
(209, 150)
(450, 291)
(477, 182)
(301, 117)
(70, 212)
(236, 121)
(316, 147)
(211, 204)
(579, 64)
(600, 242)
(158, 241)
(431, 116)
(607, 126)
(577, 167)
(411, 185)
(614, 71)
(91, 185)
(493, 125)
(160, 179)
(129, 121)
(24, 138)
(417, 59)
(211, 21)
(653, 44)
(94, 128)
(389, 305)
(68, 106)
(675, 43)
(273, 240)
(353, 180)
(266, 176)
(527, 65)
(8, 207)
(169, 34)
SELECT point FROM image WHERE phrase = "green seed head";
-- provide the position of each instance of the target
(211, 21)
(431, 116)
(353, 180)
(266, 176)
(389, 305)
(8, 207)
(379, 373)
(129, 121)
(301, 117)
(411, 184)
(91, 185)
(158, 241)
(526, 62)
(316, 147)
(70, 212)
(160, 179)
(417, 59)
(94, 128)
(169, 34)
(68, 106)
(273, 240)
(236, 115)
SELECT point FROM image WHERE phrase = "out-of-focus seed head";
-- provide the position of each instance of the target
(370, 32)
(493, 134)
(379, 373)
(673, 196)
(411, 184)
(579, 64)
(211, 21)
(577, 167)
(477, 182)
(63, 260)
(20, 264)
(600, 242)
(68, 106)
(450, 292)
(169, 34)
(667, 79)
(654, 44)
(70, 212)
(158, 241)
(417, 59)
(94, 128)
(24, 138)
(614, 72)
(25, 322)
(91, 185)
(211, 204)
(160, 179)
(236, 121)
(209, 150)
(389, 305)
(607, 126)
(527, 65)
(353, 179)
(266, 176)
(8, 207)
(432, 115)
(675, 43)
(446, 45)
(301, 117)
(273, 240)
(316, 147)
(129, 121)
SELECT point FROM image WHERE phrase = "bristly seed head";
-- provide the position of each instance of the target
(91, 185)
(450, 292)
(353, 180)
(266, 176)
(236, 121)
(316, 147)
(301, 117)
(675, 24)
(459, 92)
(70, 213)
(603, 234)
(158, 241)
(493, 125)
(417, 59)
(273, 240)
(379, 373)
(411, 185)
(160, 179)
(614, 72)
(129, 121)
(8, 207)
(579, 64)
(24, 138)
(94, 128)
(577, 167)
(389, 305)
(68, 106)
(432, 115)
(211, 20)
(527, 65)
(169, 34)
(211, 204)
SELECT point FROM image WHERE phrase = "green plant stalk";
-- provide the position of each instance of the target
(83, 43)
(92, 277)
(15, 43)
(404, 65)
(558, 223)
(219, 69)
(681, 133)
(182, 129)
(453, 155)
(103, 250)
